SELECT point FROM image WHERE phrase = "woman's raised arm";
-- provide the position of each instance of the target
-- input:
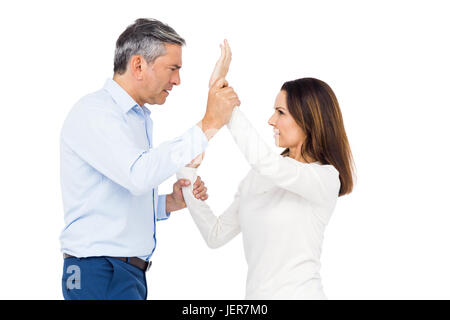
(317, 183)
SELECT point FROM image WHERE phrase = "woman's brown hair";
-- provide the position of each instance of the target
(315, 108)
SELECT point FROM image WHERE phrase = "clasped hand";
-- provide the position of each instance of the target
(175, 200)
(221, 101)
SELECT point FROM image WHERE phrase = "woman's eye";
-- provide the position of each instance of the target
(280, 112)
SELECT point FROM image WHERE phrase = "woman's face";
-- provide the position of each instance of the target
(287, 133)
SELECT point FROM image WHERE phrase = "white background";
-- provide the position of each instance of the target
(387, 61)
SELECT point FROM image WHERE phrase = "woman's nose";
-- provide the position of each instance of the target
(271, 122)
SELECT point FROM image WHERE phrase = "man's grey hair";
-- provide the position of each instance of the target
(145, 37)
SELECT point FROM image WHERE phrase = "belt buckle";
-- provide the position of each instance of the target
(149, 264)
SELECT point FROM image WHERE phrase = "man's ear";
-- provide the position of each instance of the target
(137, 66)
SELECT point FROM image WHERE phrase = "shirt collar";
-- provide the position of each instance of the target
(120, 96)
(146, 110)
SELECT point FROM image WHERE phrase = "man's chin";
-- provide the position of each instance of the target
(162, 101)
(159, 101)
(162, 98)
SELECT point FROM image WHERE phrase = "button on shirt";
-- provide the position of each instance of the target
(110, 174)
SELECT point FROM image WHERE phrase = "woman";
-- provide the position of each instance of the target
(284, 203)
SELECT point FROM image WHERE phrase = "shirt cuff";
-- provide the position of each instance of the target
(235, 114)
(161, 213)
(198, 133)
(193, 143)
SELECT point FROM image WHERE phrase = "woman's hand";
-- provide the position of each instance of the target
(222, 65)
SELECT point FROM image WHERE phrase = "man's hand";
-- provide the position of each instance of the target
(221, 102)
(175, 200)
(200, 189)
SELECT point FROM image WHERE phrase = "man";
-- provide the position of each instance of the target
(110, 170)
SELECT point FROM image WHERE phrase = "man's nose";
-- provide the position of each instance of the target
(176, 80)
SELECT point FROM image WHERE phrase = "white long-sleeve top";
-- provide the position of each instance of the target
(281, 207)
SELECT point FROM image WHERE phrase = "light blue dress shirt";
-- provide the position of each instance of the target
(110, 174)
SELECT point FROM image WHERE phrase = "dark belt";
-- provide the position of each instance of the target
(138, 263)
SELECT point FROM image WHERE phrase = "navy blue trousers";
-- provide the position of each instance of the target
(102, 278)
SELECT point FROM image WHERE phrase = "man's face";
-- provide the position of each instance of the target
(161, 75)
